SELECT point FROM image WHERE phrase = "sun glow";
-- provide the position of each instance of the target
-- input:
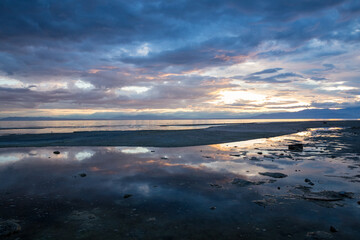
(231, 97)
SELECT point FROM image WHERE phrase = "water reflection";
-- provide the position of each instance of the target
(181, 193)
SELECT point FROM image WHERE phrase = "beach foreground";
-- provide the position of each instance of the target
(168, 138)
(256, 189)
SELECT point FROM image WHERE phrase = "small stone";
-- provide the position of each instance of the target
(273, 174)
(9, 227)
(82, 174)
(296, 147)
(259, 153)
(127, 195)
(56, 152)
(332, 229)
(358, 202)
(278, 188)
(212, 208)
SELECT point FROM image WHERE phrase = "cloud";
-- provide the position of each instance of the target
(176, 49)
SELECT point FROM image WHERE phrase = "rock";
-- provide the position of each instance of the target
(212, 208)
(82, 174)
(127, 195)
(235, 155)
(215, 185)
(319, 235)
(9, 227)
(332, 229)
(243, 183)
(56, 152)
(308, 181)
(296, 147)
(273, 174)
(327, 196)
(260, 153)
(165, 158)
(358, 202)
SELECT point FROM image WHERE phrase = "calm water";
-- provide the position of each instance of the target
(203, 192)
(21, 127)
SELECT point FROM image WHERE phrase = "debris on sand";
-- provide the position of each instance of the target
(273, 174)
(319, 235)
(323, 196)
(296, 147)
(265, 202)
(56, 152)
(9, 227)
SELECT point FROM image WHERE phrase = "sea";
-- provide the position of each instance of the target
(38, 127)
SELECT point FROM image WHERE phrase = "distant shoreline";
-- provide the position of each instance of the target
(168, 138)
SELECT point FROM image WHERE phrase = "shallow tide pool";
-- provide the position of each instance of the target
(255, 189)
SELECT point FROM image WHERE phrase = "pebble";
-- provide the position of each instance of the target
(9, 227)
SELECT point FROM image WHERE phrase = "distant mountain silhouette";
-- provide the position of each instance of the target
(346, 113)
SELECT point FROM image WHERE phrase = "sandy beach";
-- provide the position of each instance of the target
(168, 138)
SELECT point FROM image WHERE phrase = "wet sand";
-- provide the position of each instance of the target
(256, 189)
(168, 138)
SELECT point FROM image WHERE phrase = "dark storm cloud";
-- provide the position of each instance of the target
(66, 30)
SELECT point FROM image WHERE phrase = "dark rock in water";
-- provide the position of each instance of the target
(165, 158)
(327, 196)
(212, 208)
(9, 227)
(358, 202)
(215, 185)
(296, 147)
(56, 152)
(127, 195)
(308, 181)
(82, 174)
(243, 183)
(332, 229)
(319, 235)
(235, 155)
(273, 174)
(260, 153)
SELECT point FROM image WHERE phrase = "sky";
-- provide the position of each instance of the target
(176, 57)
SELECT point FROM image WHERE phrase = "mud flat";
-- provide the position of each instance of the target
(168, 138)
